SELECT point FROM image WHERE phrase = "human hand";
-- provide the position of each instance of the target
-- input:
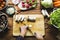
(23, 30)
(38, 36)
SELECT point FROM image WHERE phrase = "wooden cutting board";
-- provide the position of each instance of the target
(37, 26)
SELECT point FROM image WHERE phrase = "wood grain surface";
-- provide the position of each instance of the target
(50, 32)
(37, 26)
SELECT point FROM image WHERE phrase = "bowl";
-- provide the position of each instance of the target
(3, 4)
(54, 17)
(10, 10)
(3, 22)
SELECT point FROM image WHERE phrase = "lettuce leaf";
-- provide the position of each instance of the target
(47, 3)
(55, 18)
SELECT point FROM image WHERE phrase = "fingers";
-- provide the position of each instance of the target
(23, 27)
(23, 30)
(38, 36)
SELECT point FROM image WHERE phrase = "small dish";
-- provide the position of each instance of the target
(10, 10)
(3, 4)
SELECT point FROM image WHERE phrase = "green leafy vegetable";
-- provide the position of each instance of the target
(55, 18)
(47, 3)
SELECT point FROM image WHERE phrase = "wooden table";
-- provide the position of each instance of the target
(50, 32)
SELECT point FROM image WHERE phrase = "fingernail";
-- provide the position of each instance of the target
(35, 34)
